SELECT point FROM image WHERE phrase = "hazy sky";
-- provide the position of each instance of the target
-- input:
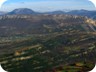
(47, 5)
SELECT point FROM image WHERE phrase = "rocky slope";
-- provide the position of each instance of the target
(43, 24)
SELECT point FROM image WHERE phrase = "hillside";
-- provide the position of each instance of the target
(44, 24)
(49, 53)
(47, 43)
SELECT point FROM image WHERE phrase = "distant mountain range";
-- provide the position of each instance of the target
(90, 14)
(2, 13)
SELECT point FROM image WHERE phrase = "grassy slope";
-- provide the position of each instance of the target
(48, 52)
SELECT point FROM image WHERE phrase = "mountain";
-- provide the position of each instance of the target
(90, 14)
(47, 43)
(22, 11)
(29, 11)
(82, 12)
(2, 13)
(43, 24)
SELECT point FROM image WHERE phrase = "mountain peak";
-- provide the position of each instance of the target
(22, 11)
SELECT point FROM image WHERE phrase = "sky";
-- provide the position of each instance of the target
(47, 5)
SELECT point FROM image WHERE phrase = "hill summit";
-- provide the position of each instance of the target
(22, 11)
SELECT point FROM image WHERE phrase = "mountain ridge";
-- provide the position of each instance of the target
(43, 24)
(82, 12)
